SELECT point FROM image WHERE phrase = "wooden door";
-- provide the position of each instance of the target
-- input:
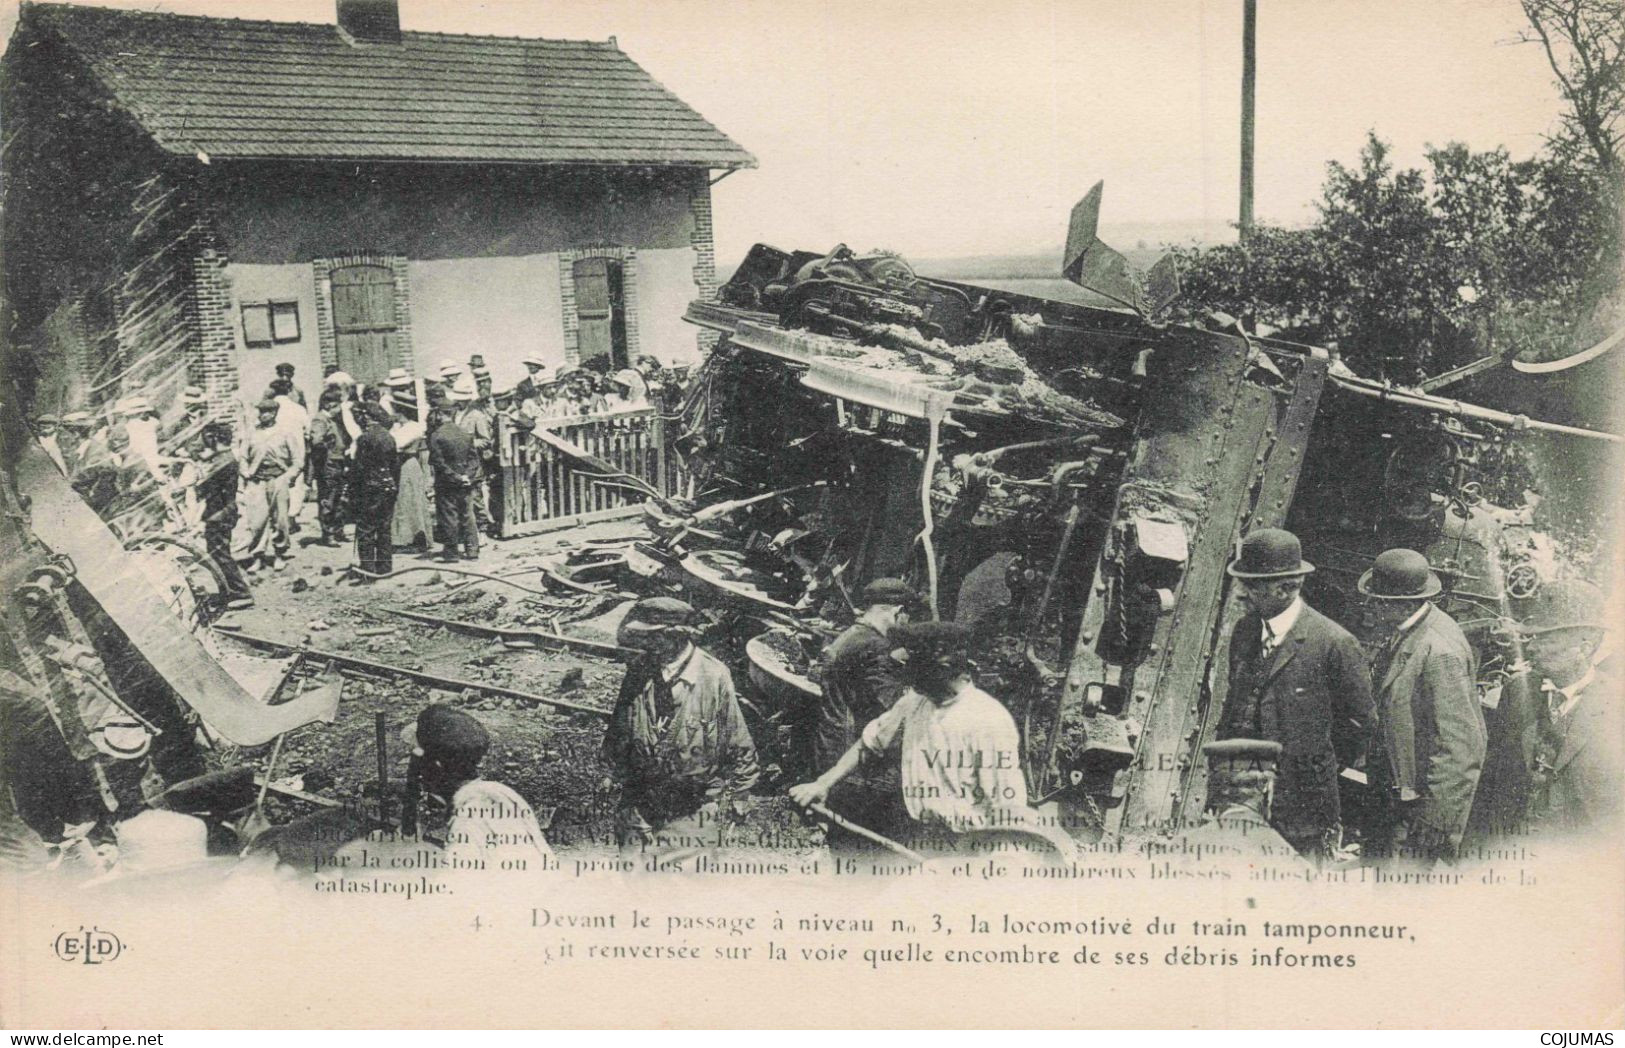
(364, 321)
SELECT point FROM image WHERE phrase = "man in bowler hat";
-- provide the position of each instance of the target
(1298, 679)
(1428, 746)
(1580, 754)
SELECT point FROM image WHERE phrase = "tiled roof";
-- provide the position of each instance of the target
(248, 89)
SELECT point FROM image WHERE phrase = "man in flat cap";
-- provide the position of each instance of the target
(1241, 784)
(959, 750)
(329, 462)
(284, 373)
(1580, 754)
(1429, 740)
(269, 459)
(677, 741)
(217, 488)
(375, 481)
(860, 683)
(489, 827)
(456, 468)
(1298, 679)
(476, 417)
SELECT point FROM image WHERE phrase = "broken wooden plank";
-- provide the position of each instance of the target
(480, 629)
(301, 795)
(113, 578)
(384, 669)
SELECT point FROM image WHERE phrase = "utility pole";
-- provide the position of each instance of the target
(1249, 77)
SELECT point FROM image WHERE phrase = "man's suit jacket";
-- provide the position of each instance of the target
(1430, 727)
(1587, 784)
(1314, 698)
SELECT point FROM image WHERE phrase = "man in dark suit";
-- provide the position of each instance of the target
(376, 482)
(1580, 756)
(456, 466)
(1298, 679)
(1428, 749)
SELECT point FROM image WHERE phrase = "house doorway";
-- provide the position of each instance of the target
(364, 320)
(600, 311)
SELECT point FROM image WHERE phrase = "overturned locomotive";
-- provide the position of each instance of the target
(1071, 480)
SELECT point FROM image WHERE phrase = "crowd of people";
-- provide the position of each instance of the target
(404, 473)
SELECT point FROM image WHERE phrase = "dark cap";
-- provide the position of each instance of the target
(284, 368)
(658, 613)
(932, 639)
(1242, 754)
(1400, 574)
(886, 591)
(447, 732)
(217, 792)
(268, 405)
(1269, 553)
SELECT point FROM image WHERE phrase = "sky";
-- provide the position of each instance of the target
(943, 128)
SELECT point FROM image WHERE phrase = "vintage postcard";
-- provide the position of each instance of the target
(1065, 513)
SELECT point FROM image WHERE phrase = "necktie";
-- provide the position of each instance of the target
(1267, 648)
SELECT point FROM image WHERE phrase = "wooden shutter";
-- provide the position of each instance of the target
(600, 315)
(364, 320)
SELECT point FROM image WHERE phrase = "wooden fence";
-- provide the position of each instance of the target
(576, 470)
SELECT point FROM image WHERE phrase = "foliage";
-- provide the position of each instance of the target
(1412, 272)
(1584, 41)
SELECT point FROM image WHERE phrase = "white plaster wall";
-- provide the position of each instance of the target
(665, 288)
(501, 308)
(257, 367)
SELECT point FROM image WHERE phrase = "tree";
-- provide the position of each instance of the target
(1584, 41)
(1413, 272)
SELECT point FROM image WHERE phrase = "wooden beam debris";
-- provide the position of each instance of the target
(384, 669)
(480, 629)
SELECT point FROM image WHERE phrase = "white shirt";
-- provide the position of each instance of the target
(491, 824)
(1275, 629)
(961, 760)
(1414, 619)
(1573, 693)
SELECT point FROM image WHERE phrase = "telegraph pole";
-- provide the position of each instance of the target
(1249, 77)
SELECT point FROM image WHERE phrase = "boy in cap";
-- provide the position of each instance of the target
(1580, 755)
(490, 827)
(677, 741)
(1298, 679)
(959, 748)
(860, 683)
(1429, 740)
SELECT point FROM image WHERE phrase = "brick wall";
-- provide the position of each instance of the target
(214, 347)
(705, 252)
